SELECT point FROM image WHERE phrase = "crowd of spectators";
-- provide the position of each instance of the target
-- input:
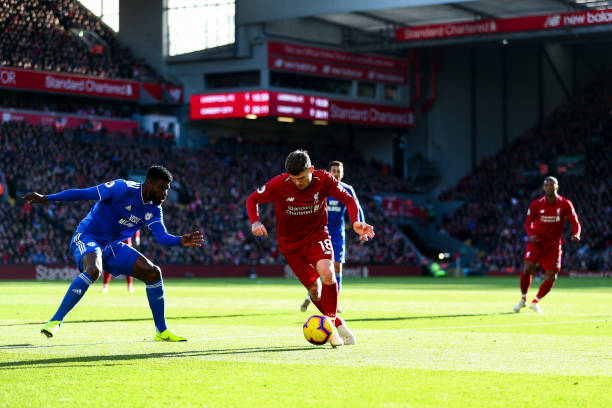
(574, 143)
(36, 34)
(209, 193)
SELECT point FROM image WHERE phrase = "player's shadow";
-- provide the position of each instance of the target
(425, 317)
(143, 319)
(110, 359)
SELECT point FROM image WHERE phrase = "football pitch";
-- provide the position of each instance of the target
(420, 343)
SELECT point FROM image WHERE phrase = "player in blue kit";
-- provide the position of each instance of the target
(335, 224)
(123, 207)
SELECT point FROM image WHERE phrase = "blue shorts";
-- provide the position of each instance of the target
(339, 249)
(117, 258)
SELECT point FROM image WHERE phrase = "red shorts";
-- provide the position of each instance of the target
(548, 254)
(303, 262)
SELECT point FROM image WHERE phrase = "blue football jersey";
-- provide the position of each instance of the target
(119, 212)
(335, 214)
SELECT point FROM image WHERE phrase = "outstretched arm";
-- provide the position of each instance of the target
(74, 194)
(188, 240)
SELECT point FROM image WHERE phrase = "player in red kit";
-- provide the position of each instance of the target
(545, 220)
(300, 205)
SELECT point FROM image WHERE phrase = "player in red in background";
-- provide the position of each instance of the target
(130, 280)
(545, 220)
(300, 205)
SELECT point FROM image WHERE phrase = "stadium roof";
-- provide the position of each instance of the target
(382, 23)
(376, 20)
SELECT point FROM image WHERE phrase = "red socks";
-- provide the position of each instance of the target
(107, 278)
(328, 304)
(129, 280)
(525, 284)
(329, 300)
(545, 287)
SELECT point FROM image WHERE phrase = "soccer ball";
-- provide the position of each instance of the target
(318, 329)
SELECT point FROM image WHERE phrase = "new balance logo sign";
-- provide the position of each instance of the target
(129, 208)
(290, 198)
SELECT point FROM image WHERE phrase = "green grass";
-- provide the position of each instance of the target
(421, 343)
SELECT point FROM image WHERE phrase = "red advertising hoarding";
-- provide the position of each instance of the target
(266, 103)
(365, 114)
(505, 25)
(334, 63)
(71, 121)
(334, 70)
(69, 272)
(68, 84)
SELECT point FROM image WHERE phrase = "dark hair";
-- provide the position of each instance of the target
(297, 162)
(335, 163)
(159, 173)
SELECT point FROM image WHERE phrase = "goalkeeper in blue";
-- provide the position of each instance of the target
(335, 224)
(122, 208)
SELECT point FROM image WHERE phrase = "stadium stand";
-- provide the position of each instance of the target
(573, 143)
(45, 35)
(208, 193)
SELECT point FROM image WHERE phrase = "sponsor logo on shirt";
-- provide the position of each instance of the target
(290, 198)
(304, 210)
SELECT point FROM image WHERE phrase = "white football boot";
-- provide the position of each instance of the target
(335, 340)
(535, 307)
(347, 336)
(519, 306)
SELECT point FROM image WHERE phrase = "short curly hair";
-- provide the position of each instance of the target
(159, 173)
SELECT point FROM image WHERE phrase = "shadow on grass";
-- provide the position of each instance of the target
(448, 316)
(146, 319)
(109, 359)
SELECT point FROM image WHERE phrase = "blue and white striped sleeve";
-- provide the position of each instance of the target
(112, 190)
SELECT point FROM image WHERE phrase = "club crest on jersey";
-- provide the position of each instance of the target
(109, 183)
(316, 198)
(148, 216)
(129, 208)
(558, 214)
(261, 189)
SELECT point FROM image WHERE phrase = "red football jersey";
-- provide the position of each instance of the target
(300, 214)
(546, 220)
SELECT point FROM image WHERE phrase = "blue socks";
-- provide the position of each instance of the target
(157, 303)
(339, 280)
(77, 289)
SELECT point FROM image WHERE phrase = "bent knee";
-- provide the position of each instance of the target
(93, 272)
(154, 273)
